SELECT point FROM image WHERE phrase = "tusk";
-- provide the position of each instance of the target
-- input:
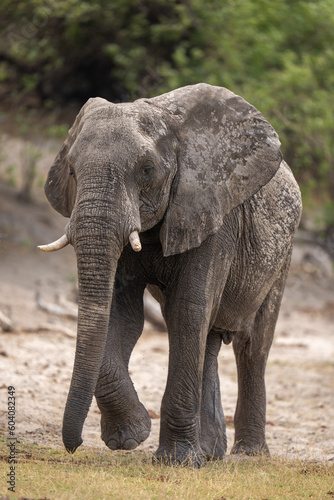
(135, 241)
(55, 245)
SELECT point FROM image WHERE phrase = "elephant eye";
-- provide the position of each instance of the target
(146, 176)
(71, 171)
(147, 168)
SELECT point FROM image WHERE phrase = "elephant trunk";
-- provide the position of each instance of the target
(98, 248)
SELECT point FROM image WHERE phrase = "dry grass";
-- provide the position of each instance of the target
(52, 474)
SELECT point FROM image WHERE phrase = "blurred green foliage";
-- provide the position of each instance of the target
(277, 54)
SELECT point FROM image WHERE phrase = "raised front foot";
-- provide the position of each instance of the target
(125, 422)
(242, 448)
(183, 455)
(125, 431)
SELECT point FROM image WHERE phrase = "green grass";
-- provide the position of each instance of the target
(52, 474)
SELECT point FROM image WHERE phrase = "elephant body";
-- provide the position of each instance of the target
(198, 174)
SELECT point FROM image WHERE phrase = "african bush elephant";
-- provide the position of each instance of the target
(198, 173)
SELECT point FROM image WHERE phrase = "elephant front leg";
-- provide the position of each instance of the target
(125, 422)
(213, 428)
(179, 441)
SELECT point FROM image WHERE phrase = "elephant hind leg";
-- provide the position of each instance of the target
(251, 350)
(213, 429)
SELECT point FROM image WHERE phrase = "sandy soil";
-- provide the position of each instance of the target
(38, 361)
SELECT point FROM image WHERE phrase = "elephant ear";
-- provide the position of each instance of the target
(60, 187)
(227, 152)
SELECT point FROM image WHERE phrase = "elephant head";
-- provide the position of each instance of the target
(184, 160)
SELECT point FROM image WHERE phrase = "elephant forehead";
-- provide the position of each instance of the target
(113, 140)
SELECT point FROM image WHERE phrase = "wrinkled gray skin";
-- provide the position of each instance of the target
(199, 174)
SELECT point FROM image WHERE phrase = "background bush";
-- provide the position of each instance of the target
(277, 54)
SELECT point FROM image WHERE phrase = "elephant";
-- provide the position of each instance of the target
(186, 194)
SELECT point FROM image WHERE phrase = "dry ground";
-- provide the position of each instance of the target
(300, 373)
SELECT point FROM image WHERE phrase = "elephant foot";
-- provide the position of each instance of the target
(180, 456)
(214, 449)
(125, 432)
(213, 436)
(242, 448)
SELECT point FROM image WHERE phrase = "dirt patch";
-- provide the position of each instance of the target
(300, 373)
